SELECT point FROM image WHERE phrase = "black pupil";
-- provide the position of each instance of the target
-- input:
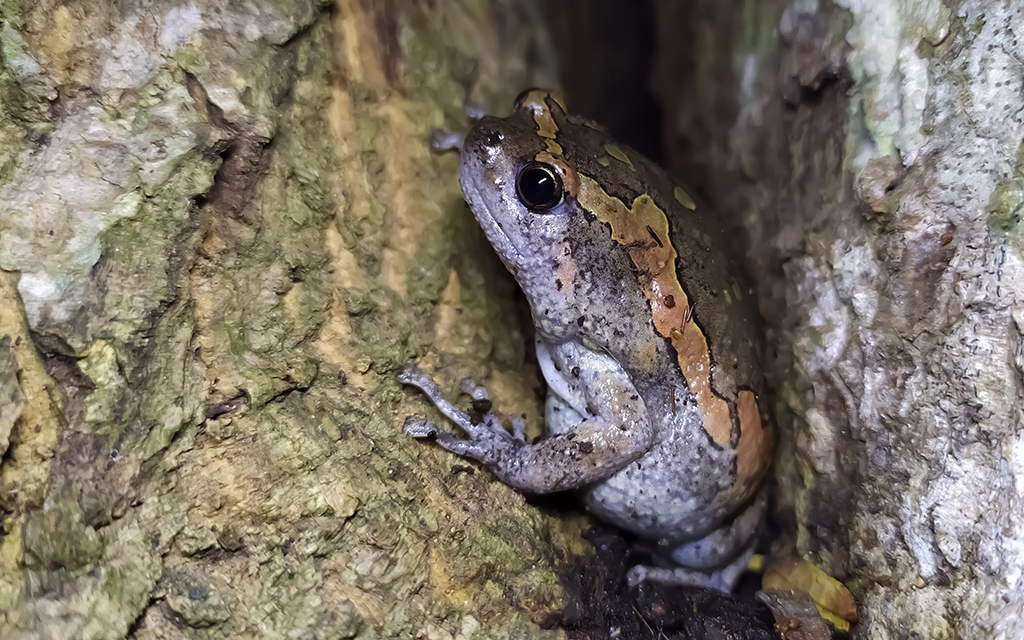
(538, 188)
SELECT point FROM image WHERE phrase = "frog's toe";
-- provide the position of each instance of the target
(474, 110)
(636, 575)
(442, 140)
(678, 576)
(419, 428)
(723, 579)
(519, 428)
(411, 374)
(470, 387)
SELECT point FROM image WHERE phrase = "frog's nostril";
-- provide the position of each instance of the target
(493, 138)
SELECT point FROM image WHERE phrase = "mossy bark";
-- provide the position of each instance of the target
(873, 152)
(221, 232)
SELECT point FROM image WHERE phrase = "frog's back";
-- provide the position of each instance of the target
(717, 299)
(701, 306)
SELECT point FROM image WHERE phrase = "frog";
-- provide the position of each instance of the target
(645, 333)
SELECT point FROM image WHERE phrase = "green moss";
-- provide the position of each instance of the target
(425, 281)
(267, 77)
(16, 57)
(383, 328)
(125, 590)
(176, 400)
(1004, 206)
(103, 361)
(977, 25)
(20, 113)
(11, 569)
(58, 539)
(1005, 203)
(10, 12)
(11, 139)
(192, 57)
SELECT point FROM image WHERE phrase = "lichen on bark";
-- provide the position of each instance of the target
(221, 231)
(872, 151)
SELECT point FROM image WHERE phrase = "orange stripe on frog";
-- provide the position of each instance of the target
(756, 443)
(637, 227)
(536, 102)
(643, 228)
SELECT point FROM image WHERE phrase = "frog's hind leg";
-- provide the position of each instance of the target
(717, 560)
(722, 579)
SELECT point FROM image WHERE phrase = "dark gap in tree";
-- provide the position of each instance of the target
(606, 52)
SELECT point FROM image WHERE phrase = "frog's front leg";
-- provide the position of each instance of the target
(484, 429)
(616, 433)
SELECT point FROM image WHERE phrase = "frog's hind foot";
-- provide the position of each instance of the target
(420, 428)
(480, 401)
(723, 579)
(443, 140)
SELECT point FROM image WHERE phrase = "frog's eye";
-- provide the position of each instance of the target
(539, 187)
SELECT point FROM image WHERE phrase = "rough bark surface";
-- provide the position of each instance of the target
(221, 231)
(873, 151)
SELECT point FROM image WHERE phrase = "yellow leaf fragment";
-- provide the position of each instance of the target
(756, 563)
(790, 572)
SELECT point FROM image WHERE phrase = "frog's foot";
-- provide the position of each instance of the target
(715, 561)
(480, 400)
(420, 428)
(589, 451)
(488, 439)
(442, 140)
(723, 579)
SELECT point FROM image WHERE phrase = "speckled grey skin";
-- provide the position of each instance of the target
(623, 425)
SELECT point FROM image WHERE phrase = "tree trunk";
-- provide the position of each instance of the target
(221, 231)
(873, 151)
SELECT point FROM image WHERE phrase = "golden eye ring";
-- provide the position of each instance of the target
(539, 187)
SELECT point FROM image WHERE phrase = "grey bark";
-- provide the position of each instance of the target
(873, 151)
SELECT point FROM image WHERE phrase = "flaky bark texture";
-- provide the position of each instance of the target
(221, 231)
(873, 150)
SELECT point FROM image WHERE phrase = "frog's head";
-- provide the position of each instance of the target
(523, 193)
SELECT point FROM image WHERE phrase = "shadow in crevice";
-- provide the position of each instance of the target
(605, 57)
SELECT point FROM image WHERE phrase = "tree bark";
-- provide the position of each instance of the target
(873, 152)
(221, 232)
